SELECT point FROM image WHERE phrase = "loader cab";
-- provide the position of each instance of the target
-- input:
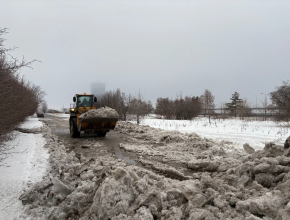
(84, 100)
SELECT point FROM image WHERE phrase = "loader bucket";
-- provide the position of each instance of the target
(97, 124)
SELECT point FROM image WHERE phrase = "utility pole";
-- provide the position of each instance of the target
(256, 102)
(265, 104)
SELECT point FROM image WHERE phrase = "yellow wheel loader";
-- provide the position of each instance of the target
(100, 126)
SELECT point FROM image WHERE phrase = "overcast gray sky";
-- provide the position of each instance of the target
(160, 47)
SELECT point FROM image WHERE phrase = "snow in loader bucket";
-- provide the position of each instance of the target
(102, 118)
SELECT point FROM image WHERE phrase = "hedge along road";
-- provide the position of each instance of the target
(89, 144)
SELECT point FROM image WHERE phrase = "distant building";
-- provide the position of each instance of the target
(98, 88)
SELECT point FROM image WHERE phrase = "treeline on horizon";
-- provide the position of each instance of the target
(128, 105)
(19, 97)
(188, 107)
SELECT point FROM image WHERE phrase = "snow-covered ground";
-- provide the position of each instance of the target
(256, 133)
(26, 165)
(60, 115)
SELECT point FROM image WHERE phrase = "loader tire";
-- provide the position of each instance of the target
(73, 128)
(101, 134)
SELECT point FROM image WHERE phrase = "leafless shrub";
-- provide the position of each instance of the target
(19, 97)
(181, 108)
(244, 109)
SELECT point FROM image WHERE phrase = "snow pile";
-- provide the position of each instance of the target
(103, 112)
(186, 177)
(31, 123)
(25, 165)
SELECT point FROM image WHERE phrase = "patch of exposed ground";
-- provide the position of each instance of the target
(183, 176)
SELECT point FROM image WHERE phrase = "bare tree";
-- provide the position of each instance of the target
(281, 99)
(137, 107)
(44, 107)
(245, 109)
(265, 107)
(165, 107)
(207, 100)
(149, 108)
(126, 104)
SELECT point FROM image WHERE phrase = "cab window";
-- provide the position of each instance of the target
(84, 101)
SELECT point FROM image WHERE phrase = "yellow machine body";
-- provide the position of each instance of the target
(88, 125)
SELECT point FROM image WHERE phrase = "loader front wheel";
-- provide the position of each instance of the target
(73, 129)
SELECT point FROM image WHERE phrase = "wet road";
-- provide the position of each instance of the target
(89, 144)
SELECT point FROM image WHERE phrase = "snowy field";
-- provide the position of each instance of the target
(256, 133)
(25, 165)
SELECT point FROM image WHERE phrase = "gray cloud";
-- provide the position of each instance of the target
(159, 47)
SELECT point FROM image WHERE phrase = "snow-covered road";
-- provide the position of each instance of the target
(25, 165)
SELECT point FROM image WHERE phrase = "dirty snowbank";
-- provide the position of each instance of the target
(103, 112)
(24, 167)
(217, 184)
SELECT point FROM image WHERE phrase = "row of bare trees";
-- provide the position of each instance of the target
(180, 108)
(188, 107)
(19, 97)
(125, 104)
